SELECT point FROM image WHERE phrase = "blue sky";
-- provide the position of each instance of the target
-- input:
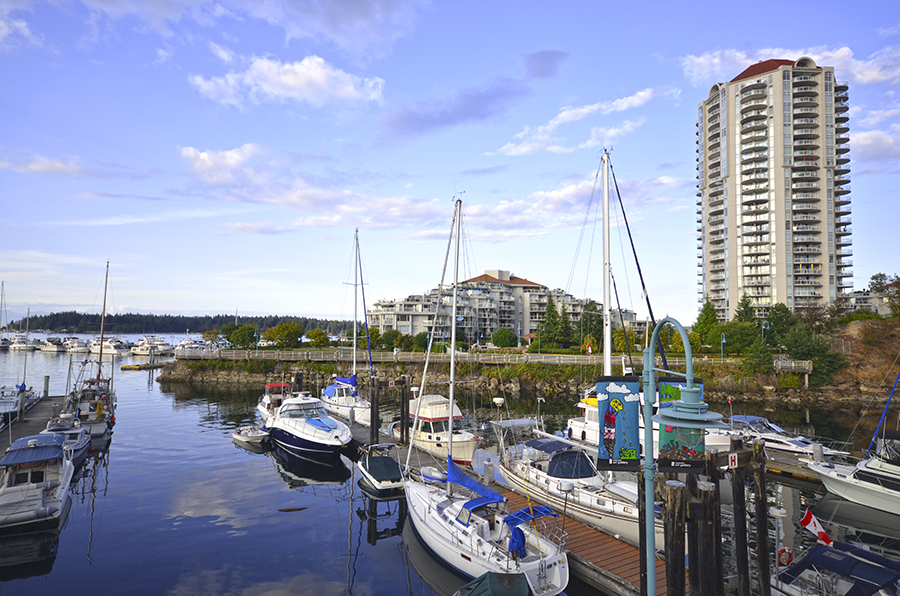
(220, 154)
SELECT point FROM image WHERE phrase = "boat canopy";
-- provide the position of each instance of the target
(278, 385)
(486, 495)
(571, 465)
(547, 445)
(33, 449)
(514, 520)
(340, 381)
(868, 576)
(889, 446)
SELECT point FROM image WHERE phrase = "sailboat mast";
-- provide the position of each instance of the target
(453, 335)
(355, 289)
(103, 320)
(607, 323)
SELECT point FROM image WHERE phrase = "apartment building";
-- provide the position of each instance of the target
(773, 208)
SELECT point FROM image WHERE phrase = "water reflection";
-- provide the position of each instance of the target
(300, 472)
(27, 555)
(436, 574)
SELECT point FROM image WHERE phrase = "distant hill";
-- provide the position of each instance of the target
(75, 322)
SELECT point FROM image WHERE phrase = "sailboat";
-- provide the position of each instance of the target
(342, 397)
(468, 525)
(91, 403)
(4, 341)
(23, 343)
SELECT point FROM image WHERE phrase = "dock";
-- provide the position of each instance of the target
(35, 419)
(595, 558)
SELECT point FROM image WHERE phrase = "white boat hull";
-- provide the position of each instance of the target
(841, 481)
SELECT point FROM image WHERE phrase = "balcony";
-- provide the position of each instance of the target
(753, 125)
(841, 148)
(808, 250)
(805, 186)
(841, 86)
(807, 270)
(756, 238)
(806, 238)
(754, 115)
(805, 207)
(804, 175)
(806, 162)
(809, 143)
(804, 79)
(753, 103)
(842, 190)
(758, 283)
(805, 90)
(804, 113)
(754, 156)
(840, 107)
(805, 217)
(805, 101)
(753, 146)
(808, 282)
(806, 228)
(754, 178)
(805, 196)
(754, 92)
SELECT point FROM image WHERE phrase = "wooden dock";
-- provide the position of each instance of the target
(35, 420)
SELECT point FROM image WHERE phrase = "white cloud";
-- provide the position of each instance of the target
(219, 167)
(43, 165)
(531, 140)
(14, 30)
(222, 53)
(603, 136)
(875, 117)
(312, 80)
(726, 63)
(877, 145)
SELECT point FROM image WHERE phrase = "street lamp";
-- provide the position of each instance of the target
(689, 413)
(765, 325)
(256, 333)
(722, 349)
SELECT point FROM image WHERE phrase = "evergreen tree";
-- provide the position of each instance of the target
(504, 338)
(780, 319)
(564, 331)
(706, 321)
(551, 322)
(745, 311)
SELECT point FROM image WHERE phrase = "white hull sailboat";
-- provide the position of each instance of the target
(467, 525)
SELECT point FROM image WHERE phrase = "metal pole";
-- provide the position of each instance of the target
(607, 324)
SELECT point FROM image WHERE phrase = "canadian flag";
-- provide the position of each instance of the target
(810, 522)
(589, 349)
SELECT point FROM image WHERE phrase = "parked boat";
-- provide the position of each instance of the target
(77, 439)
(152, 345)
(302, 426)
(35, 476)
(271, 400)
(75, 345)
(497, 584)
(109, 346)
(540, 471)
(342, 397)
(52, 345)
(4, 341)
(380, 469)
(469, 526)
(839, 570)
(249, 435)
(432, 432)
(194, 348)
(22, 343)
(776, 438)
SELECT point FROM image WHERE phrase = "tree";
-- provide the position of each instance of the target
(390, 339)
(619, 336)
(564, 330)
(212, 337)
(373, 340)
(420, 341)
(745, 311)
(317, 337)
(758, 358)
(504, 338)
(706, 320)
(591, 324)
(551, 322)
(889, 288)
(285, 335)
(802, 345)
(589, 341)
(244, 337)
(738, 336)
(780, 319)
(406, 343)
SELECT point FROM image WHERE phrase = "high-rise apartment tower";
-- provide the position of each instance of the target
(773, 208)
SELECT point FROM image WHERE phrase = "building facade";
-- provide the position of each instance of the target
(497, 299)
(773, 208)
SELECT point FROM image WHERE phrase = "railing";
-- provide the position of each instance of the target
(784, 365)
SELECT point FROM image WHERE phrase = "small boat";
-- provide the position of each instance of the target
(271, 400)
(497, 584)
(873, 481)
(194, 348)
(152, 345)
(342, 398)
(108, 346)
(839, 570)
(380, 468)
(76, 345)
(52, 345)
(432, 433)
(776, 438)
(77, 438)
(21, 343)
(35, 476)
(249, 434)
(301, 425)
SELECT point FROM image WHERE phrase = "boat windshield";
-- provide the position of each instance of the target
(440, 426)
(304, 411)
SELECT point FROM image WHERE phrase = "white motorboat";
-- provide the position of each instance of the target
(540, 471)
(52, 345)
(380, 468)
(4, 344)
(152, 345)
(776, 438)
(432, 433)
(271, 400)
(250, 434)
(873, 481)
(35, 476)
(469, 527)
(194, 348)
(75, 345)
(108, 346)
(301, 426)
(22, 343)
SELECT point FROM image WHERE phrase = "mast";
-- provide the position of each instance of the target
(453, 337)
(103, 321)
(355, 289)
(607, 323)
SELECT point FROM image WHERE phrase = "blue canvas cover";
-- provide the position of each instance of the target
(329, 391)
(547, 445)
(45, 447)
(514, 520)
(867, 577)
(487, 496)
(571, 465)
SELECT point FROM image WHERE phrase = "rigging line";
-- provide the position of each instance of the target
(362, 286)
(659, 345)
(622, 320)
(618, 209)
(584, 222)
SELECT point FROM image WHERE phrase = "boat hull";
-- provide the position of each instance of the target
(299, 445)
(841, 481)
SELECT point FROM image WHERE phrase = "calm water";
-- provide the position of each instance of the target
(175, 507)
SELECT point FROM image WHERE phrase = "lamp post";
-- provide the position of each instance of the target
(688, 412)
(257, 340)
(764, 326)
(722, 349)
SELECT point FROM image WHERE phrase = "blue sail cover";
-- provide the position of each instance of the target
(867, 578)
(351, 381)
(514, 520)
(487, 496)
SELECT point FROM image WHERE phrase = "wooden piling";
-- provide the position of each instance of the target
(674, 522)
(762, 517)
(642, 523)
(706, 539)
(712, 472)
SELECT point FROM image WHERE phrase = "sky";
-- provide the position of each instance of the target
(220, 154)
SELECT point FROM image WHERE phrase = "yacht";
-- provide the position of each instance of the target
(53, 345)
(301, 426)
(152, 345)
(840, 569)
(776, 438)
(35, 476)
(110, 346)
(21, 343)
(342, 398)
(75, 345)
(873, 481)
(432, 433)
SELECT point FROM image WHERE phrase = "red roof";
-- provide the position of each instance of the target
(761, 67)
(513, 281)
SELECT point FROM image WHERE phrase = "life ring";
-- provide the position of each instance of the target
(785, 556)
